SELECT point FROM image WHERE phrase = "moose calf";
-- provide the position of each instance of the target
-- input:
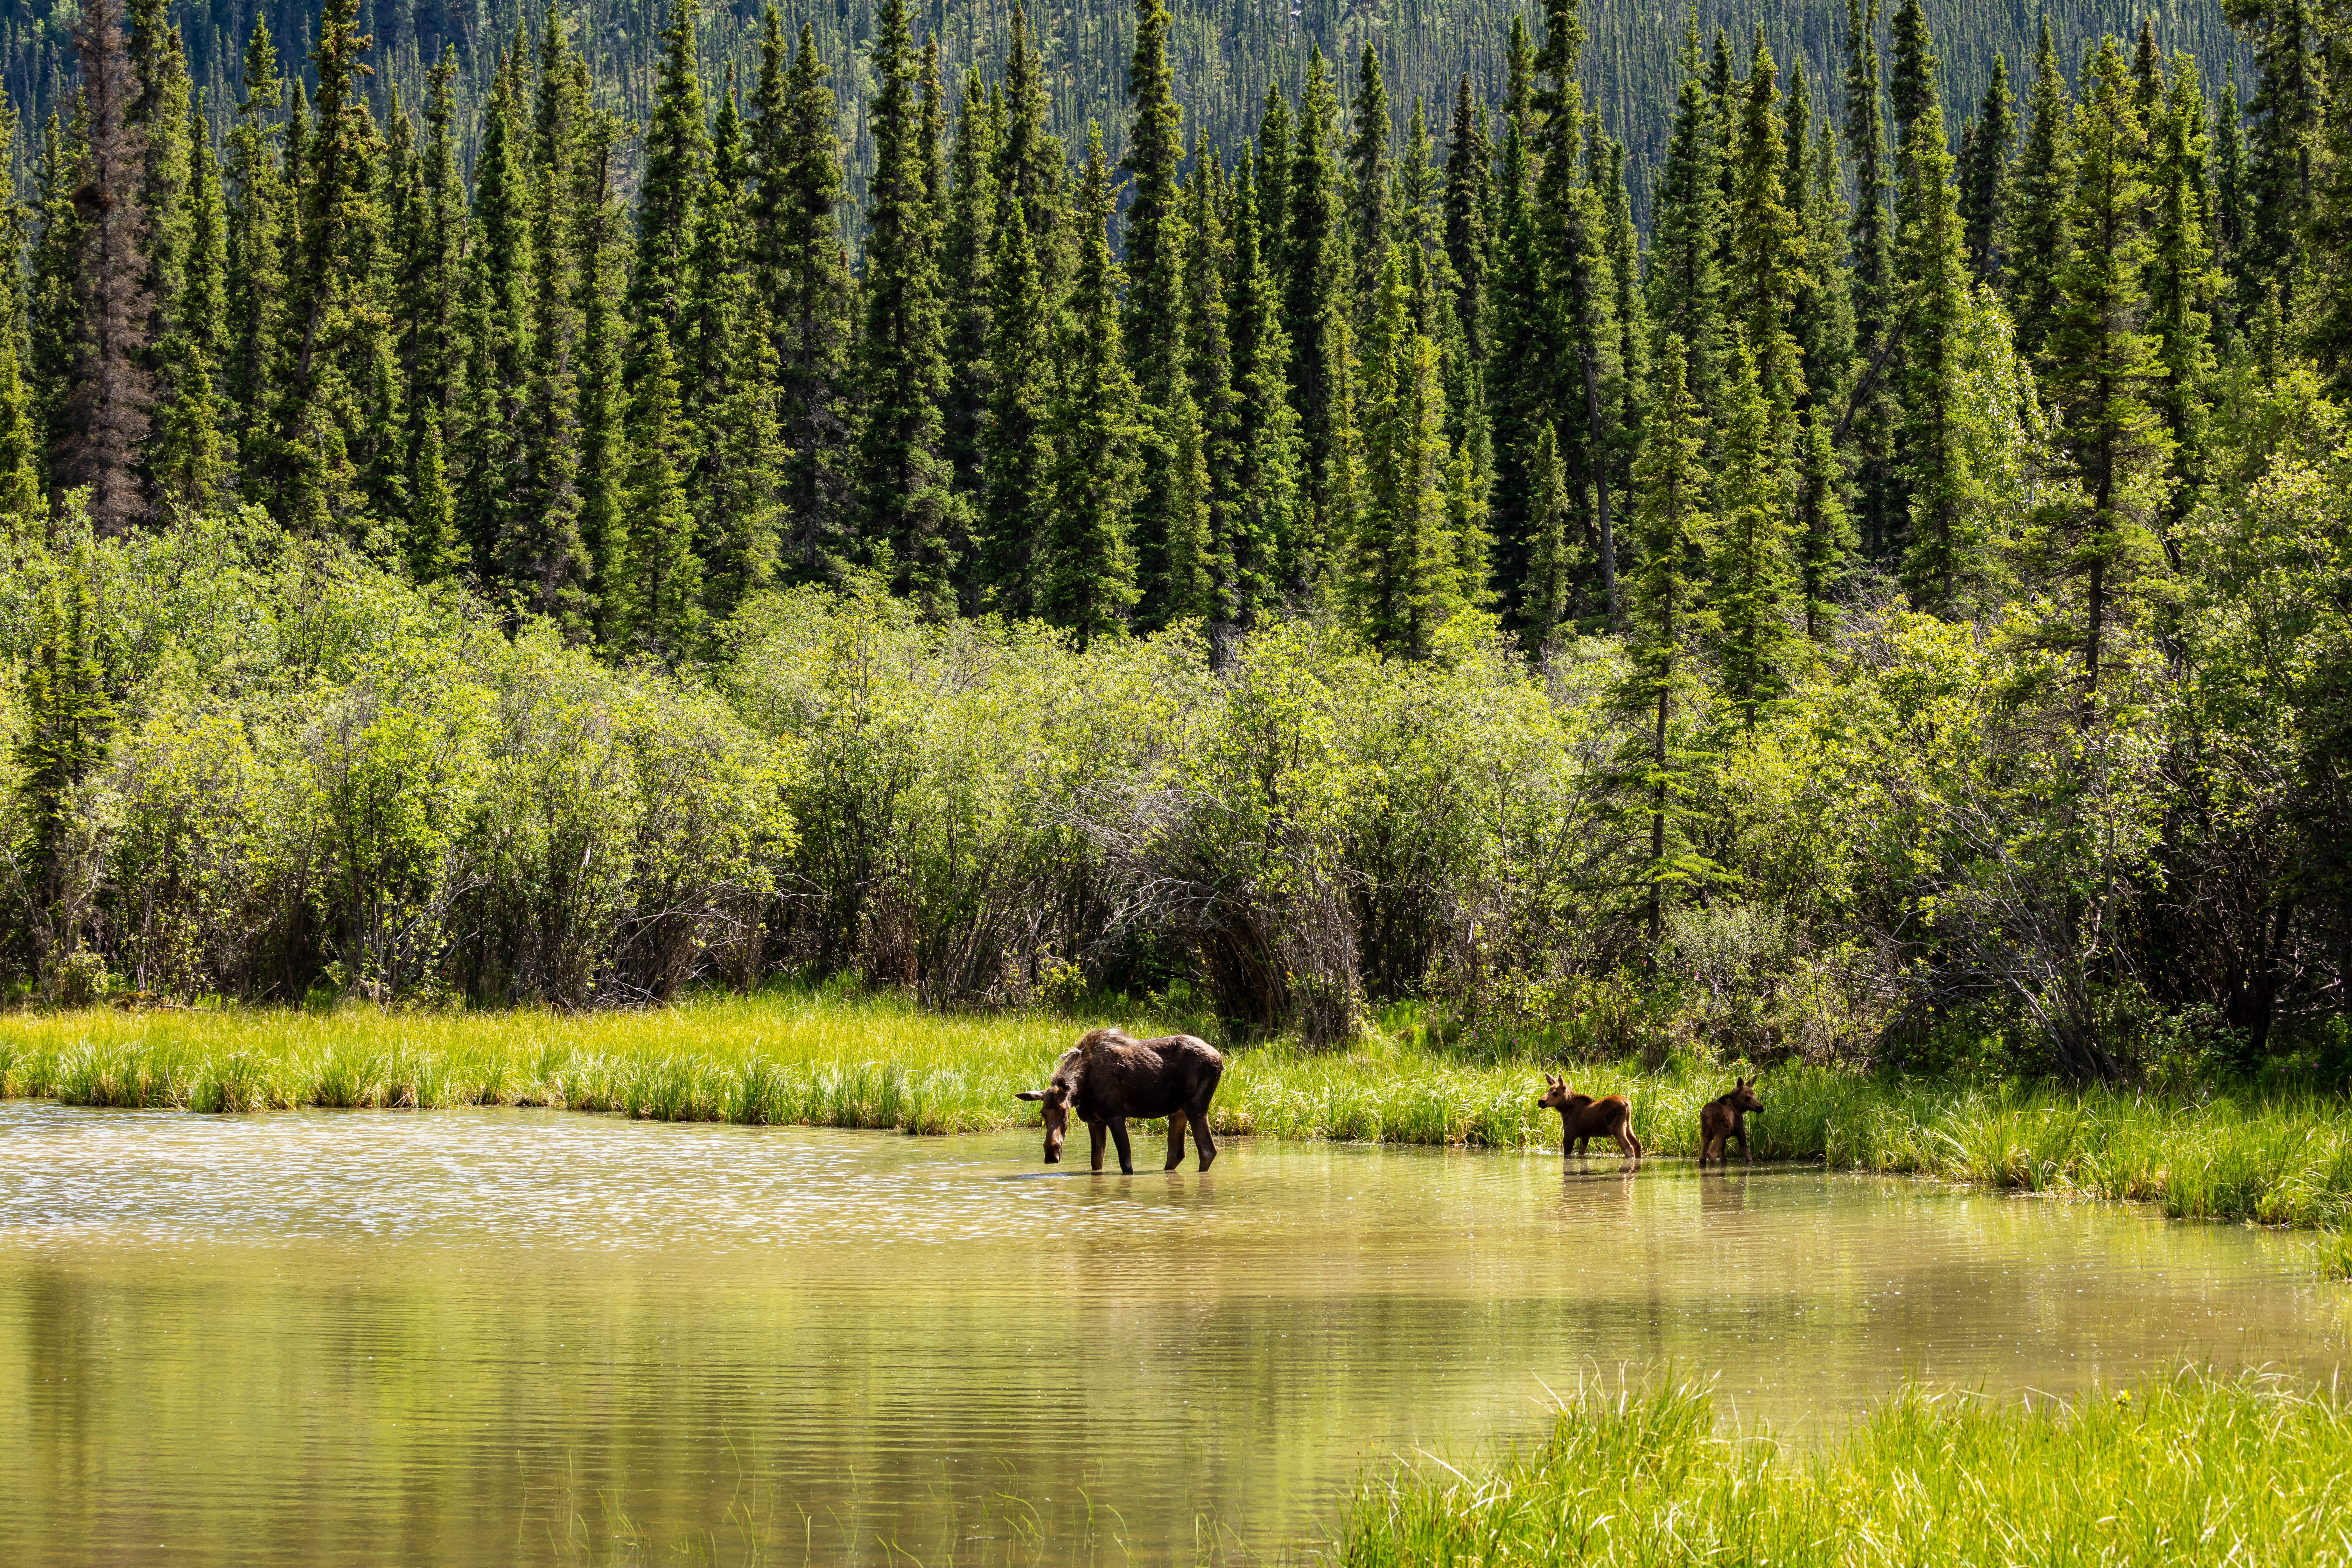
(1724, 1118)
(1582, 1118)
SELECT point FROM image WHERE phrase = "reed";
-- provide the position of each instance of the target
(828, 1060)
(2193, 1469)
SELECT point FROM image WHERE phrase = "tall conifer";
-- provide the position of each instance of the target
(1665, 609)
(2105, 369)
(906, 508)
(1088, 581)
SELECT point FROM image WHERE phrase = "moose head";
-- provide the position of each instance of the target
(1055, 1096)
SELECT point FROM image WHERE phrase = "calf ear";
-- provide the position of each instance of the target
(1031, 1094)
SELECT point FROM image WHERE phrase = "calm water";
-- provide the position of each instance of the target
(518, 1338)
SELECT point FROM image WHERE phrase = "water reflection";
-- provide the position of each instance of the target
(518, 1337)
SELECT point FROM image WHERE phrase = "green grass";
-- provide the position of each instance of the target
(877, 1062)
(2192, 1470)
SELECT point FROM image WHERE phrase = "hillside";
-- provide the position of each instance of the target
(1224, 55)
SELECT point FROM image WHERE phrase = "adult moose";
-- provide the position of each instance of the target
(1583, 1118)
(1107, 1078)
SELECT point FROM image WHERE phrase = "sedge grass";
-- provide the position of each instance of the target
(2194, 1470)
(879, 1062)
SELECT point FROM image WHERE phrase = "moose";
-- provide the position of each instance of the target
(1724, 1118)
(1583, 1118)
(1107, 1078)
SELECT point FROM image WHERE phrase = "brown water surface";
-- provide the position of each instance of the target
(515, 1337)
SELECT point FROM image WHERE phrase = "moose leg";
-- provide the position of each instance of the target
(1175, 1140)
(1097, 1132)
(1119, 1136)
(1207, 1145)
(1743, 1145)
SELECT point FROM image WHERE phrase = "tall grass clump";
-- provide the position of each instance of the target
(2189, 1470)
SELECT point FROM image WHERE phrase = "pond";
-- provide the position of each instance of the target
(518, 1337)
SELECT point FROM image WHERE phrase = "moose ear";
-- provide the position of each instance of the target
(1031, 1094)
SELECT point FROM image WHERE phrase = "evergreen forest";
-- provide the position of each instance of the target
(1807, 571)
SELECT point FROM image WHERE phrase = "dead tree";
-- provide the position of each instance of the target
(106, 408)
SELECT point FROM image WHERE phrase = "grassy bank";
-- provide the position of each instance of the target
(2280, 1159)
(2189, 1471)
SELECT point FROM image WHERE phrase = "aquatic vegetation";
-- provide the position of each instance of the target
(823, 1060)
(2189, 1470)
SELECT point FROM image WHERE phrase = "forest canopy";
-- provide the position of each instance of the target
(1894, 602)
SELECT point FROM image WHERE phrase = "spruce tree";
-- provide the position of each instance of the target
(69, 719)
(1017, 446)
(1469, 189)
(1313, 298)
(257, 218)
(2105, 369)
(1369, 174)
(1764, 242)
(737, 533)
(1685, 233)
(1632, 319)
(52, 315)
(906, 508)
(1169, 523)
(1403, 566)
(2233, 218)
(1943, 543)
(2042, 184)
(812, 308)
(433, 547)
(666, 578)
(1984, 178)
(1749, 573)
(1545, 599)
(194, 456)
(1666, 610)
(1523, 372)
(491, 492)
(1232, 556)
(676, 155)
(1581, 350)
(1267, 538)
(21, 510)
(967, 255)
(438, 269)
(544, 555)
(1870, 413)
(1821, 309)
(2183, 284)
(603, 409)
(1825, 533)
(1088, 577)
(1032, 159)
(158, 114)
(1274, 143)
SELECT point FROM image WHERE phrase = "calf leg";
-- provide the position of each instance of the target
(1175, 1140)
(1119, 1136)
(1743, 1145)
(1625, 1144)
(1097, 1132)
(1208, 1145)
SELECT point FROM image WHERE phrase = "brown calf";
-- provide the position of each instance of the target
(1722, 1118)
(1582, 1118)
